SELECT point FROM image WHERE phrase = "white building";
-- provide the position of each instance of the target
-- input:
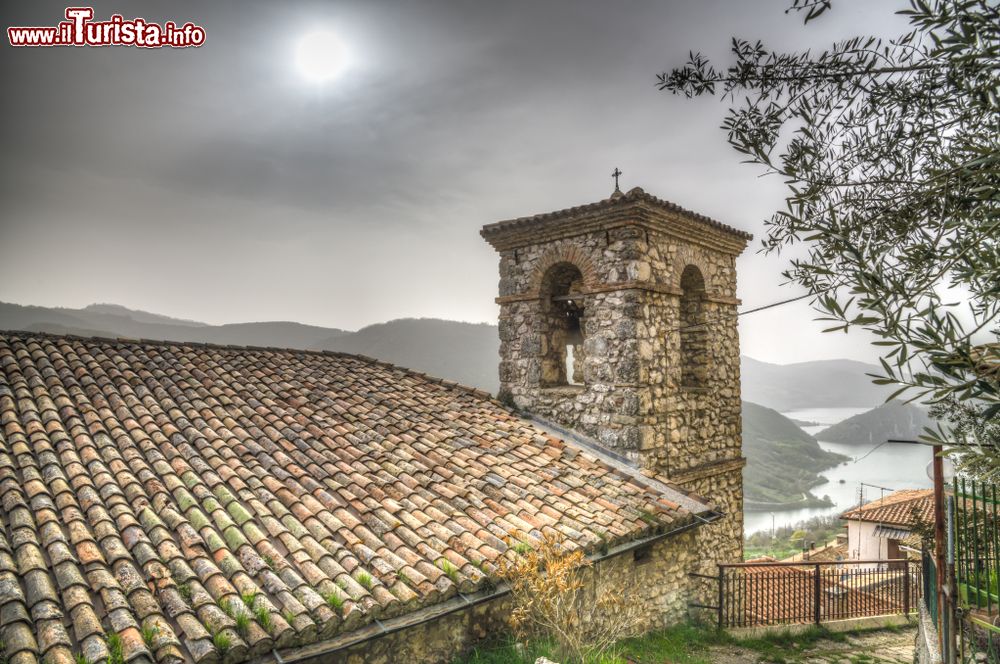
(884, 528)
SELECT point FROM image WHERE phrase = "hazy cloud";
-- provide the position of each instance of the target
(217, 184)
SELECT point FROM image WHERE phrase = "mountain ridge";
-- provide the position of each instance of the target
(117, 321)
(783, 461)
(890, 420)
(816, 383)
(465, 352)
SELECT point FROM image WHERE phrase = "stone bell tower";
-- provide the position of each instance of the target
(618, 320)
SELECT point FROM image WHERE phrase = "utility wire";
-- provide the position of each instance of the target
(876, 486)
(885, 442)
(754, 310)
(868, 453)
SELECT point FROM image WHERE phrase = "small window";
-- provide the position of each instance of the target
(563, 322)
(643, 555)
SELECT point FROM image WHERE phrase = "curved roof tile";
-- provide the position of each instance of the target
(186, 496)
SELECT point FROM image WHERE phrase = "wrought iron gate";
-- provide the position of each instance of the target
(775, 593)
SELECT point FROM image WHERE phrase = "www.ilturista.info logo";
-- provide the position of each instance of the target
(80, 30)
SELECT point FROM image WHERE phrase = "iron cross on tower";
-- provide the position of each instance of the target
(615, 175)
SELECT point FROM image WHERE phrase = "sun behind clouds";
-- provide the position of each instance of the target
(321, 56)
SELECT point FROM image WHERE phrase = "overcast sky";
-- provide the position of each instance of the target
(220, 184)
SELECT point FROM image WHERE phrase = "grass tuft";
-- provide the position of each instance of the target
(222, 643)
(185, 590)
(689, 643)
(149, 635)
(649, 518)
(365, 579)
(335, 602)
(115, 654)
(450, 570)
(264, 618)
(242, 624)
(249, 598)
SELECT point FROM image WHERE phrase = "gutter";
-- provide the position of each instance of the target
(380, 628)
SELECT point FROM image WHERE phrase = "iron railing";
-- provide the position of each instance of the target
(928, 570)
(782, 593)
(977, 543)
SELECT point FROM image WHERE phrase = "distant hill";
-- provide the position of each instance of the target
(138, 315)
(116, 321)
(816, 384)
(464, 352)
(890, 420)
(783, 461)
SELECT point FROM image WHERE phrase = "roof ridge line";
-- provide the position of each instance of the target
(483, 394)
(632, 196)
(615, 462)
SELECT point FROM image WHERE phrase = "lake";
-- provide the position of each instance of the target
(892, 466)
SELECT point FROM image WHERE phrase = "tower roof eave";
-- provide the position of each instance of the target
(635, 203)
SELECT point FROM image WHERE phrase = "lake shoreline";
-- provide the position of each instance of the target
(812, 501)
(867, 473)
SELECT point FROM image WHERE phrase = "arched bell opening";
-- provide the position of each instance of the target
(563, 325)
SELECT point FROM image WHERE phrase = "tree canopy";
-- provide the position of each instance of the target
(890, 149)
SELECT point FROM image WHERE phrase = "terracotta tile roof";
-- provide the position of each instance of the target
(832, 551)
(897, 508)
(618, 199)
(170, 489)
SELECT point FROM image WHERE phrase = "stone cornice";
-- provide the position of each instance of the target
(650, 287)
(708, 470)
(636, 208)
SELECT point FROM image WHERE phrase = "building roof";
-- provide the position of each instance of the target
(163, 490)
(899, 508)
(778, 593)
(833, 551)
(630, 200)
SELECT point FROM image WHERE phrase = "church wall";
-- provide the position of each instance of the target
(660, 586)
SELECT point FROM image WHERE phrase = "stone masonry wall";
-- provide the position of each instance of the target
(927, 650)
(635, 399)
(660, 585)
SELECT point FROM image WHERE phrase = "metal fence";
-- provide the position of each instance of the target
(976, 523)
(760, 594)
(928, 570)
(977, 542)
